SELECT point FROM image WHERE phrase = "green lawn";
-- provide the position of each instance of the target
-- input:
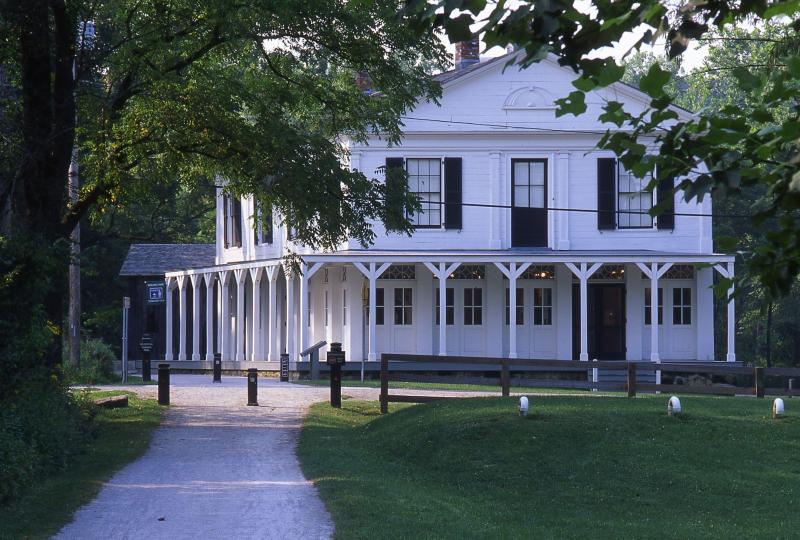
(577, 467)
(120, 436)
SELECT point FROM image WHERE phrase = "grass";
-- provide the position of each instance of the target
(371, 383)
(599, 467)
(120, 436)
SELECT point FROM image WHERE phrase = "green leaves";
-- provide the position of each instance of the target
(654, 81)
(572, 104)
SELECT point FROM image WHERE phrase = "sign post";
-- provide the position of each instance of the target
(126, 305)
(335, 361)
(284, 367)
(146, 343)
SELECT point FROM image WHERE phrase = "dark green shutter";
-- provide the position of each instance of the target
(452, 193)
(666, 201)
(606, 193)
(395, 209)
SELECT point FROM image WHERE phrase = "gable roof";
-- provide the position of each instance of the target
(156, 259)
(448, 77)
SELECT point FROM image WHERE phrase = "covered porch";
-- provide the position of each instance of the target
(566, 305)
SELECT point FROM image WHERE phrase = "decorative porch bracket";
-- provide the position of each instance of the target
(441, 272)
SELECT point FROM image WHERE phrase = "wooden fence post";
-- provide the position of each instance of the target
(631, 379)
(758, 377)
(505, 380)
(384, 385)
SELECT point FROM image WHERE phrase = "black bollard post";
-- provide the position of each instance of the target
(163, 384)
(252, 387)
(146, 366)
(218, 367)
(335, 361)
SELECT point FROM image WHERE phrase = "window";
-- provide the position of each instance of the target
(473, 306)
(327, 307)
(647, 304)
(379, 304)
(539, 271)
(232, 221)
(449, 306)
(634, 200)
(402, 306)
(520, 307)
(529, 183)
(399, 271)
(344, 307)
(542, 306)
(469, 271)
(425, 180)
(263, 233)
(681, 305)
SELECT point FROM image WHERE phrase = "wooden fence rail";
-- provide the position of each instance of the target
(569, 368)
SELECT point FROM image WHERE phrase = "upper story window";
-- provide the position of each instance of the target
(624, 201)
(263, 233)
(232, 221)
(634, 200)
(425, 180)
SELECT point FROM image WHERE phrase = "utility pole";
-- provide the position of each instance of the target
(74, 269)
(86, 36)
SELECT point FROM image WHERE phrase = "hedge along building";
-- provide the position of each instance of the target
(530, 243)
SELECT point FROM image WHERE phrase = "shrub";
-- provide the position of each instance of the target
(42, 427)
(97, 364)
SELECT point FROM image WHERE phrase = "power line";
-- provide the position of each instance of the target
(504, 126)
(581, 210)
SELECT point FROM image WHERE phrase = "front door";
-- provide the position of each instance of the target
(529, 203)
(606, 321)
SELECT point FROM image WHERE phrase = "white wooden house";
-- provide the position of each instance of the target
(531, 244)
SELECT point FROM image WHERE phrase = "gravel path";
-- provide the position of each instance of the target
(216, 468)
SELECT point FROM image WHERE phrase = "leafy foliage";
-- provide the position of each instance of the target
(718, 151)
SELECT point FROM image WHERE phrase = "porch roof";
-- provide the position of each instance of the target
(518, 255)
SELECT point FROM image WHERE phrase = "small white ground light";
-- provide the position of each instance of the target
(523, 406)
(673, 406)
(777, 408)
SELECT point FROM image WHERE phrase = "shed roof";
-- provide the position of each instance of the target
(156, 259)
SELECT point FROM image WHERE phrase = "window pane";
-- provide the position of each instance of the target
(521, 175)
(537, 173)
(467, 316)
(687, 315)
(478, 316)
(547, 315)
(407, 315)
(537, 197)
(398, 315)
(478, 297)
(537, 316)
(407, 297)
(521, 196)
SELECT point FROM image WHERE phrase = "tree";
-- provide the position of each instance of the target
(748, 143)
(259, 94)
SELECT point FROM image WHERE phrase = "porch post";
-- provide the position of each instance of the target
(255, 333)
(290, 331)
(209, 280)
(272, 332)
(512, 311)
(372, 274)
(225, 317)
(372, 356)
(182, 318)
(307, 272)
(731, 356)
(442, 310)
(583, 274)
(168, 344)
(584, 286)
(195, 278)
(241, 277)
(303, 307)
(654, 356)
